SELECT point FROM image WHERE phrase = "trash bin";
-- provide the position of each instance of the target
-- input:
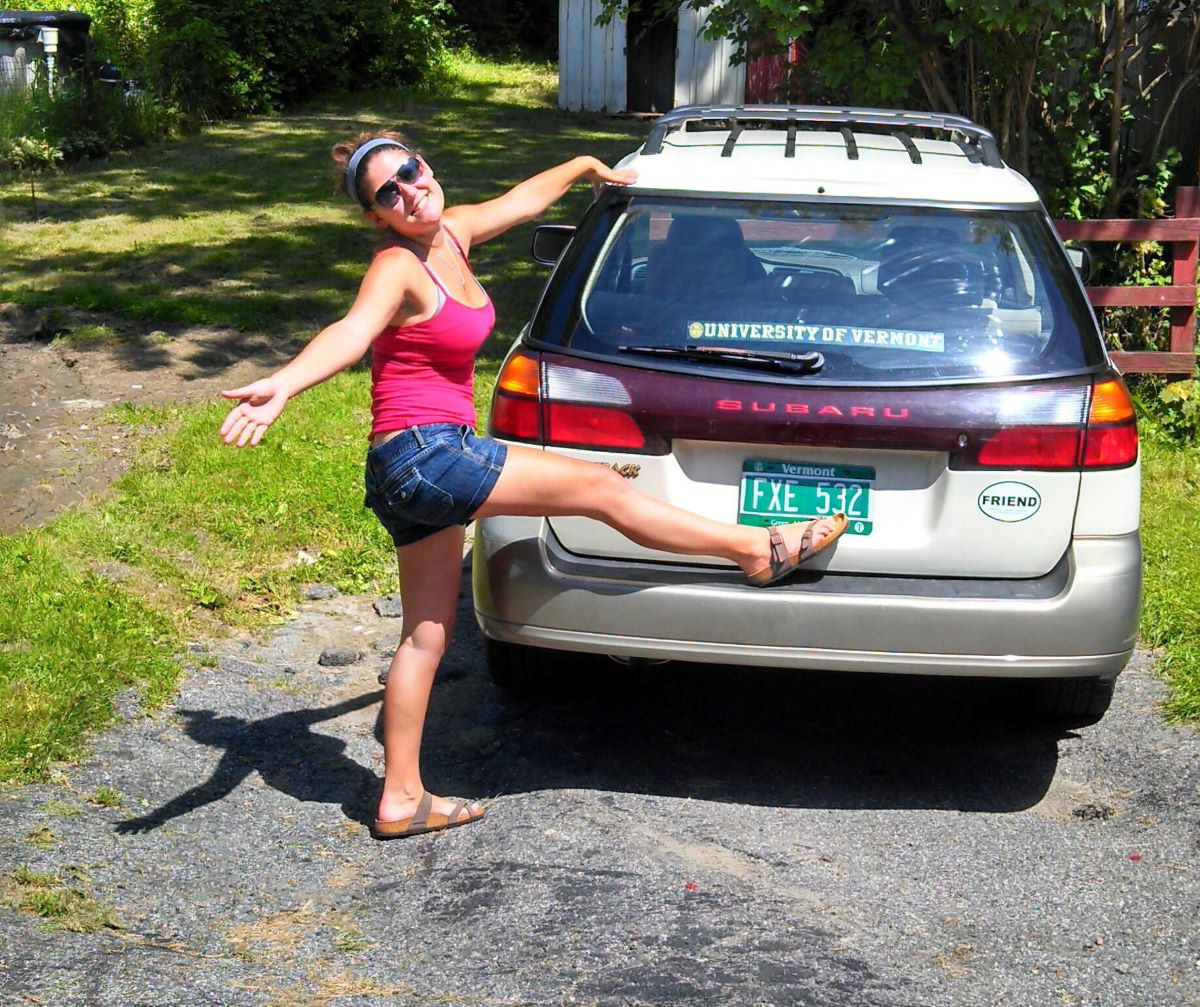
(59, 39)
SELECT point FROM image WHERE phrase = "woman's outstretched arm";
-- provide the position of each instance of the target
(333, 349)
(526, 200)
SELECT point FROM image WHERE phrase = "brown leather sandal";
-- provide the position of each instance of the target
(423, 820)
(783, 563)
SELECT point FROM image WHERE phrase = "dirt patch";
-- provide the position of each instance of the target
(55, 445)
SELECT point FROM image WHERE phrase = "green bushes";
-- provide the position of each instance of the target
(26, 158)
(121, 32)
(78, 120)
(79, 117)
(225, 58)
(408, 42)
(1168, 410)
(198, 61)
(195, 68)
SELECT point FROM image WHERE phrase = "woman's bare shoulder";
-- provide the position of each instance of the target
(394, 254)
(396, 264)
(399, 284)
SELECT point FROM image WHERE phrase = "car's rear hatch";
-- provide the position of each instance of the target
(956, 481)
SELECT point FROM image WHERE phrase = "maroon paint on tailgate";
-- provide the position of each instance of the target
(671, 405)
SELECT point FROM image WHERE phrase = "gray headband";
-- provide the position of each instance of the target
(356, 159)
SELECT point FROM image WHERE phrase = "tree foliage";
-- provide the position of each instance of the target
(508, 28)
(1057, 81)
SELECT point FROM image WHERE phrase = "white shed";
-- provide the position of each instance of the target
(627, 66)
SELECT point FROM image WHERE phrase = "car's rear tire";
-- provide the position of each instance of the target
(1077, 701)
(521, 670)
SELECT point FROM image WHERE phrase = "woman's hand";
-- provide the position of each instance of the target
(602, 174)
(260, 403)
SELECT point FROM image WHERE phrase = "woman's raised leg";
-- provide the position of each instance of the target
(430, 575)
(539, 483)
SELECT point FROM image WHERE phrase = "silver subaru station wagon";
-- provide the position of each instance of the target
(797, 311)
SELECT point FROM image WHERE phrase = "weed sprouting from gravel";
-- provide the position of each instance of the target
(64, 903)
(62, 809)
(43, 837)
(108, 797)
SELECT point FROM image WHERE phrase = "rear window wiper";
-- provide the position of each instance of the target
(794, 363)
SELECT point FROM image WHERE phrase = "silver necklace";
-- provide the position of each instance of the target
(454, 262)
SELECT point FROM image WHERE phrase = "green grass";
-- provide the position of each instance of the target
(71, 640)
(42, 836)
(108, 797)
(62, 809)
(1171, 555)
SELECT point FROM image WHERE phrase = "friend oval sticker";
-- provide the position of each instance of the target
(1010, 501)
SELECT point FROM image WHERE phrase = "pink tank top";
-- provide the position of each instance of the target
(425, 372)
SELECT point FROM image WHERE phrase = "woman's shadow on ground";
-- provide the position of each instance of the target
(719, 733)
(286, 753)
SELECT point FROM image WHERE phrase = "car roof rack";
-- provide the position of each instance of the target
(977, 143)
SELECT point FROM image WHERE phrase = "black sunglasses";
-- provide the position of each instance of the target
(388, 194)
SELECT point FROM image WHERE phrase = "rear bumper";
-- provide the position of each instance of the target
(1078, 620)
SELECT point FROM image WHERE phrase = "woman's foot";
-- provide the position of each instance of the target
(400, 818)
(787, 546)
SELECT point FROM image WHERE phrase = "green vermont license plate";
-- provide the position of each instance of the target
(779, 492)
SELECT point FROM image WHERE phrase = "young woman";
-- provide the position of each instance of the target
(424, 315)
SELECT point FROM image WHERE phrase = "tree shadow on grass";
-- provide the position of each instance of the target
(477, 149)
(298, 268)
(196, 283)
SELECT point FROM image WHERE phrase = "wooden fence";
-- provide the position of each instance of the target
(1182, 233)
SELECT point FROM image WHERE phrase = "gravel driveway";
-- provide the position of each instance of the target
(682, 835)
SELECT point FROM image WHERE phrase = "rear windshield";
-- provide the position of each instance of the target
(883, 293)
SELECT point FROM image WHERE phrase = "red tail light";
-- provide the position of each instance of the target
(516, 402)
(515, 419)
(1107, 438)
(1112, 440)
(1031, 448)
(587, 426)
(1110, 447)
(565, 406)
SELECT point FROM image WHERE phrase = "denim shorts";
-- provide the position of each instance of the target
(430, 477)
